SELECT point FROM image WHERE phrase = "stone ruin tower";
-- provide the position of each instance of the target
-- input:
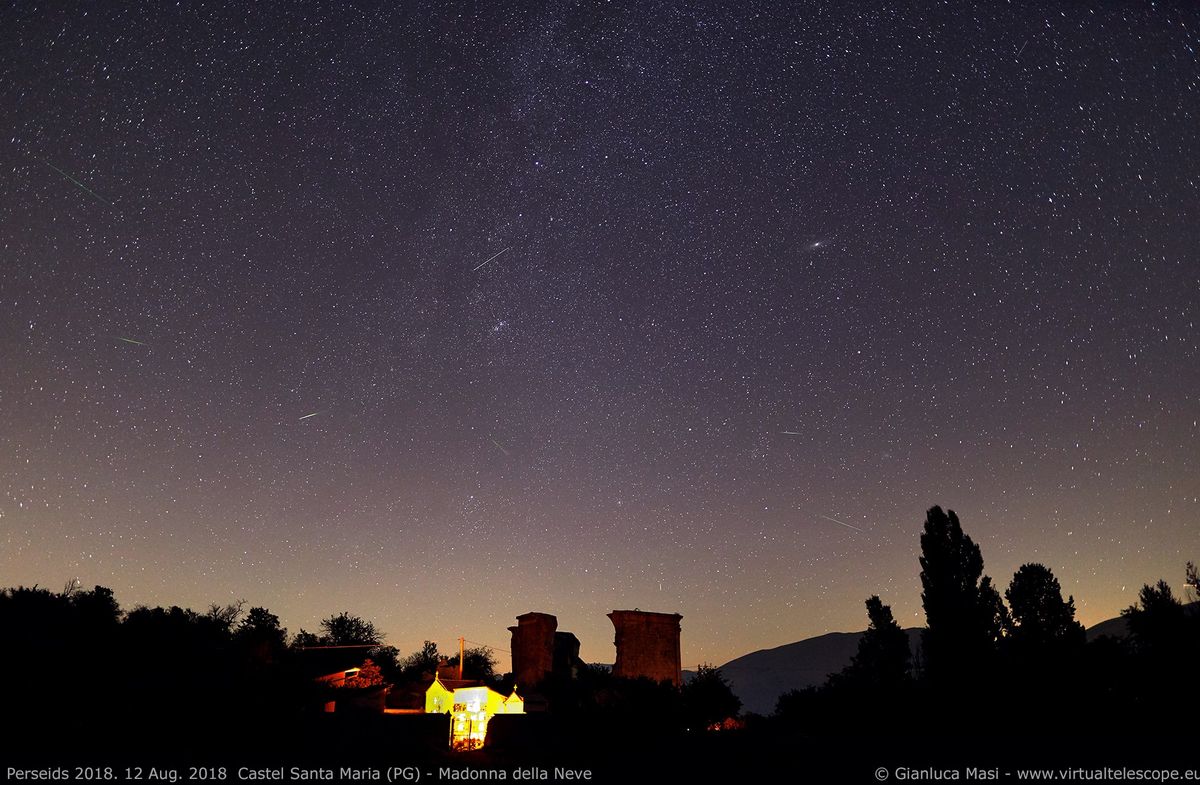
(533, 648)
(540, 650)
(647, 645)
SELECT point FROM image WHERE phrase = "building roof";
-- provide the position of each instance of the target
(537, 614)
(315, 663)
(639, 613)
(457, 684)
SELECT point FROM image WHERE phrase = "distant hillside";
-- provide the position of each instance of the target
(761, 677)
(1119, 628)
(1113, 628)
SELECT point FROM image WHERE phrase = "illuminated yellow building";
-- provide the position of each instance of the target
(470, 706)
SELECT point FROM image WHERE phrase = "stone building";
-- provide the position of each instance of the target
(533, 648)
(647, 645)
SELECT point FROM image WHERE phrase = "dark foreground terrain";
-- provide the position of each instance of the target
(91, 743)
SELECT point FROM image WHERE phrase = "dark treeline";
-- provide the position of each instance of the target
(78, 648)
(90, 677)
(1015, 666)
(1012, 663)
(78, 658)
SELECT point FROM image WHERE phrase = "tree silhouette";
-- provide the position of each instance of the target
(1156, 621)
(883, 658)
(420, 663)
(994, 615)
(1041, 618)
(306, 640)
(225, 616)
(71, 632)
(346, 629)
(1044, 649)
(387, 658)
(792, 705)
(478, 663)
(708, 699)
(1166, 644)
(259, 633)
(964, 617)
(369, 675)
(97, 608)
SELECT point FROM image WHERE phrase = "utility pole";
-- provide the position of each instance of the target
(461, 646)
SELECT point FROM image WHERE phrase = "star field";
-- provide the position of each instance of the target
(442, 313)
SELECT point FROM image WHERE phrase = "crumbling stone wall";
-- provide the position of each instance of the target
(647, 645)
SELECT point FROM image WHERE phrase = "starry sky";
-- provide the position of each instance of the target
(441, 312)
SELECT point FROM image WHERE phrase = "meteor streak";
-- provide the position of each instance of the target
(130, 340)
(840, 523)
(314, 414)
(501, 446)
(72, 179)
(490, 258)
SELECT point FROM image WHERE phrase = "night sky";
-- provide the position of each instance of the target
(443, 313)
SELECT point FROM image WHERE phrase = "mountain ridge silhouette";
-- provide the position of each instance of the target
(761, 676)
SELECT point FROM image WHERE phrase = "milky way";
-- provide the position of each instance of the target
(763, 267)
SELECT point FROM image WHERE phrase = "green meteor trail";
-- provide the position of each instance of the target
(72, 179)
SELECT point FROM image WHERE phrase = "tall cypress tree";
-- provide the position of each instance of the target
(964, 615)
